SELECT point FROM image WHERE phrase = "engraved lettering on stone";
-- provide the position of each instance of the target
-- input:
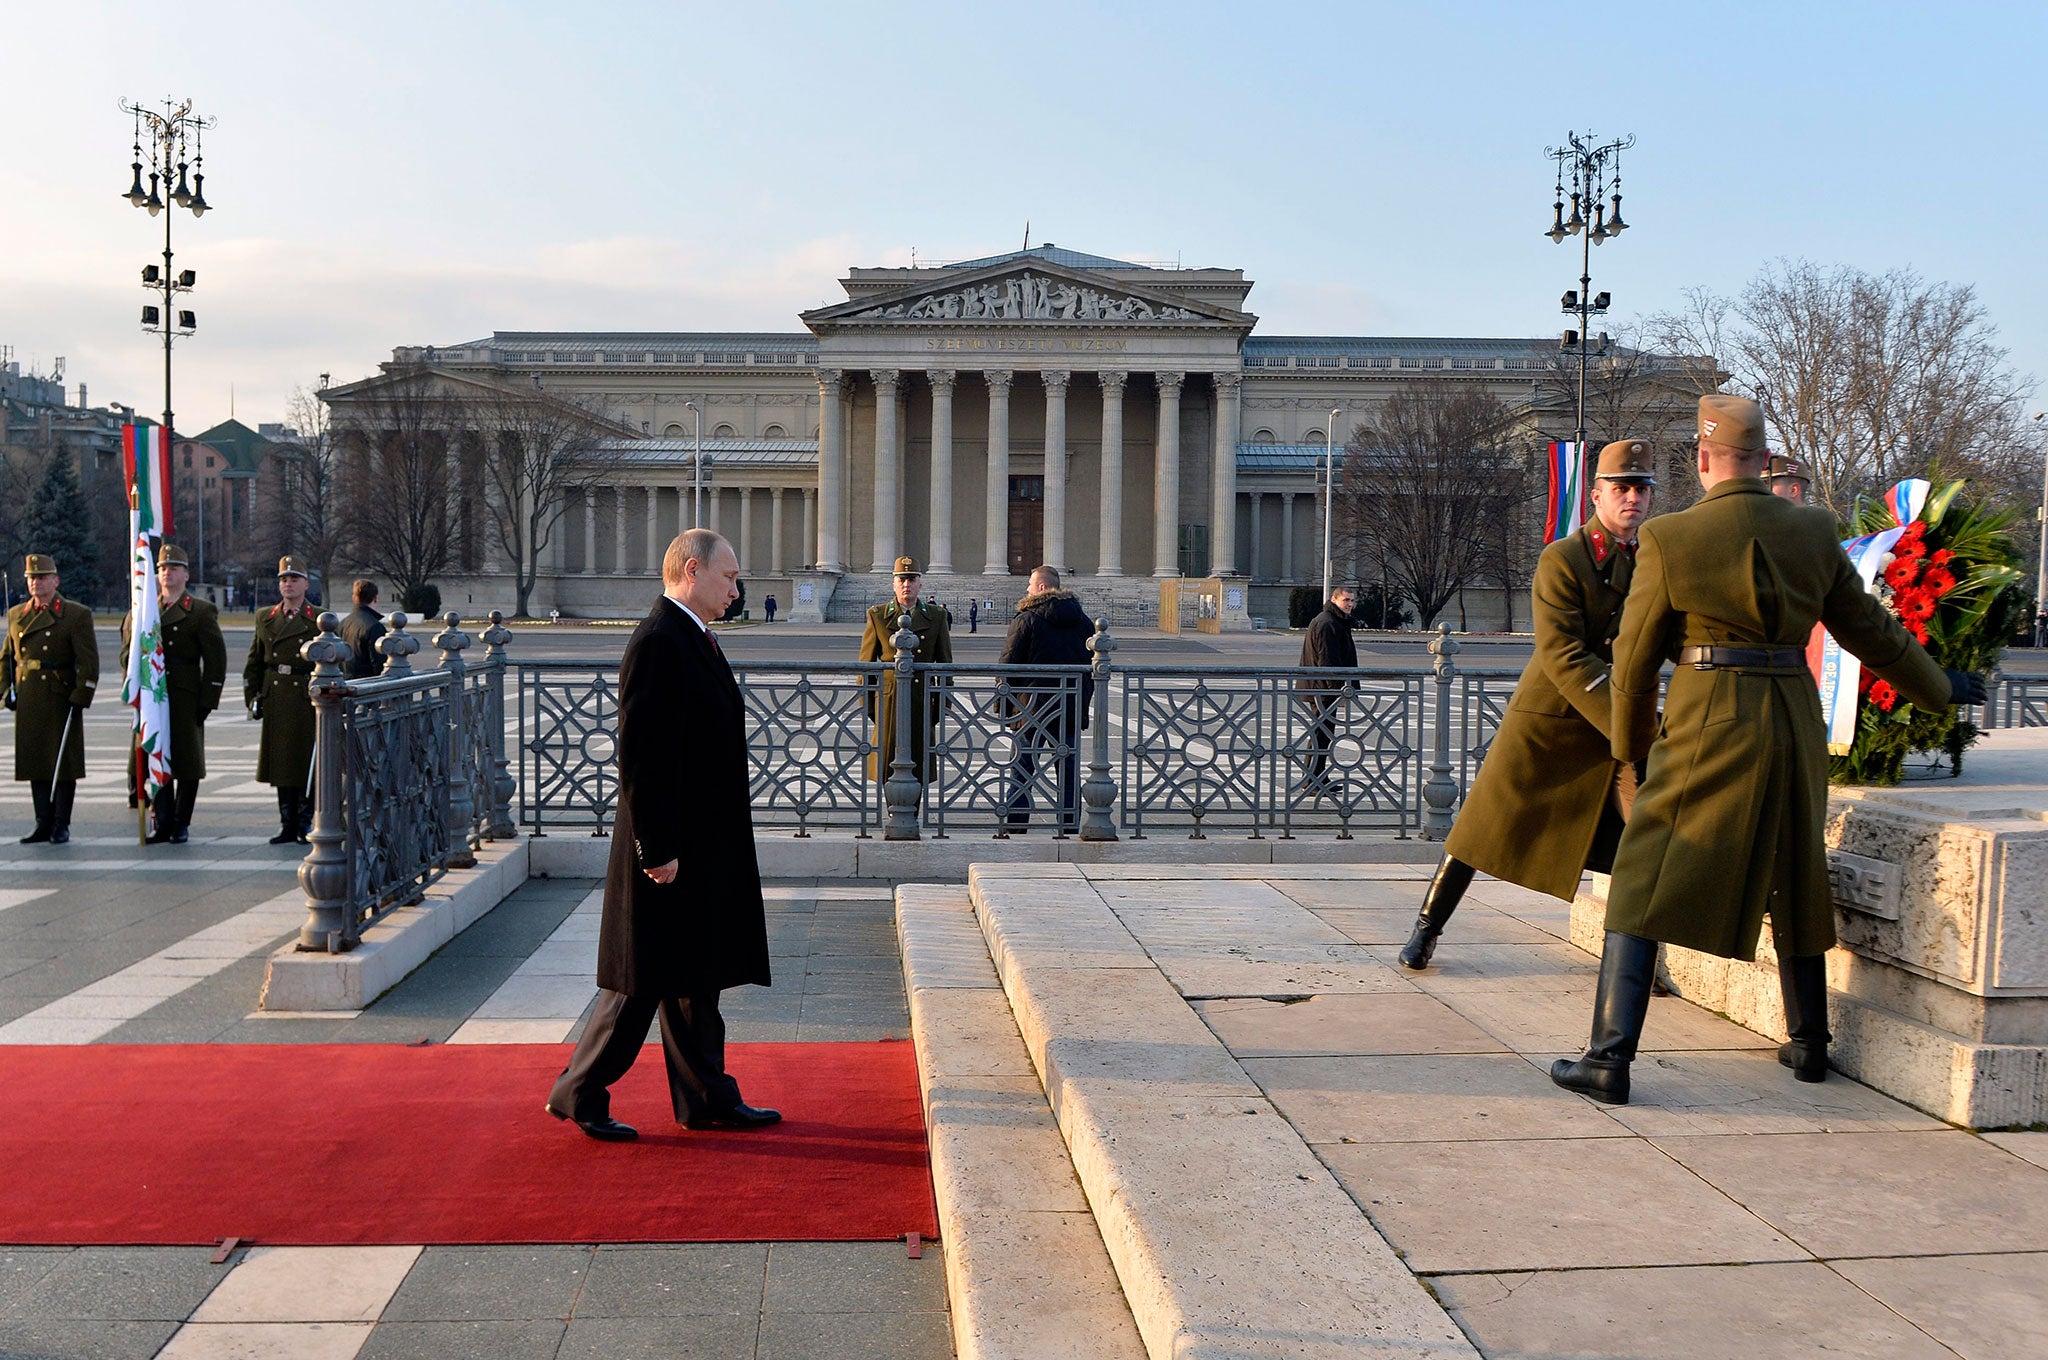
(1858, 883)
(1026, 297)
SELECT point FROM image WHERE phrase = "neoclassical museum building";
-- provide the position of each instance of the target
(1121, 421)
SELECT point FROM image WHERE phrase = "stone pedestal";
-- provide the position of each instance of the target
(810, 595)
(1939, 987)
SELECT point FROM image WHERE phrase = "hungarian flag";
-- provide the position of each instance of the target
(1567, 507)
(144, 690)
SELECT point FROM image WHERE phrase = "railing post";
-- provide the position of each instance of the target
(323, 874)
(461, 797)
(900, 792)
(498, 824)
(1440, 791)
(1098, 790)
(396, 645)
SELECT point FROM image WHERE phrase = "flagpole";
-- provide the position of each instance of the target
(138, 774)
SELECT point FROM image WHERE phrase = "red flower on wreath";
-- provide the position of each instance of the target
(1939, 580)
(1915, 604)
(1942, 557)
(1901, 572)
(1864, 680)
(1884, 696)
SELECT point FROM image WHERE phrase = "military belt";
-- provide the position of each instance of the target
(181, 661)
(1768, 660)
(294, 670)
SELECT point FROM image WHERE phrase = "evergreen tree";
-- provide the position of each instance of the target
(60, 526)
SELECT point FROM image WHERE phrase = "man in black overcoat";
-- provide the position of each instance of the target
(1326, 641)
(683, 918)
(360, 630)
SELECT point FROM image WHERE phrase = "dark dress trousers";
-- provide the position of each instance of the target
(667, 950)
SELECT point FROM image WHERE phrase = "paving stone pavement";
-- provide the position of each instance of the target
(76, 916)
(1728, 1212)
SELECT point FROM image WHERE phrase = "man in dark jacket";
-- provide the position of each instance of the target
(1326, 642)
(672, 940)
(360, 631)
(195, 673)
(1051, 629)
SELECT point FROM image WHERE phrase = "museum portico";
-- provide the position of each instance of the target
(1119, 420)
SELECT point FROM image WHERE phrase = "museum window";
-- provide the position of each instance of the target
(722, 432)
(773, 432)
(671, 432)
(1462, 363)
(1262, 436)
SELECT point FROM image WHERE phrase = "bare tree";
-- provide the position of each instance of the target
(308, 483)
(1867, 378)
(539, 451)
(395, 478)
(1425, 485)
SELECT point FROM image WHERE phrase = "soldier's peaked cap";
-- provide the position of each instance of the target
(1626, 460)
(907, 566)
(171, 555)
(41, 564)
(291, 566)
(1732, 422)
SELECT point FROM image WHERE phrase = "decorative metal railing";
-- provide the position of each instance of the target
(408, 773)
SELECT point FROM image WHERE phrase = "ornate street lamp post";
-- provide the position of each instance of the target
(174, 137)
(1592, 175)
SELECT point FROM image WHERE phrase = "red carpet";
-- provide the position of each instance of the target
(333, 1144)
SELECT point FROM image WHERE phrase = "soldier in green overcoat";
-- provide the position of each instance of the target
(1550, 799)
(1728, 824)
(934, 644)
(195, 672)
(49, 670)
(274, 686)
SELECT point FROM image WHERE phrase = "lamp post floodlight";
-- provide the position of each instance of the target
(1591, 173)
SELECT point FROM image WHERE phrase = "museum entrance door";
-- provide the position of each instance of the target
(1027, 524)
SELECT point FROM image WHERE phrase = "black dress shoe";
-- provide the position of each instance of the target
(737, 1117)
(61, 836)
(606, 1130)
(178, 837)
(36, 837)
(161, 836)
(287, 837)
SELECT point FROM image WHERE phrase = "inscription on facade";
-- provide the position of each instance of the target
(1026, 297)
(1859, 883)
(1101, 344)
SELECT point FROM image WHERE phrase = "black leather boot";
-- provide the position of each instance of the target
(188, 796)
(163, 811)
(1627, 963)
(62, 795)
(1446, 890)
(305, 824)
(287, 816)
(39, 794)
(1804, 981)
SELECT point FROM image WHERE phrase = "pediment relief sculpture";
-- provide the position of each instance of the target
(1027, 297)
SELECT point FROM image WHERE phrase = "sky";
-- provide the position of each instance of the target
(389, 174)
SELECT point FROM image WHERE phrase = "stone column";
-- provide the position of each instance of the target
(942, 471)
(1056, 381)
(827, 552)
(1252, 567)
(618, 530)
(1223, 480)
(746, 528)
(1166, 478)
(1109, 552)
(777, 563)
(654, 543)
(998, 529)
(888, 470)
(1287, 535)
(589, 530)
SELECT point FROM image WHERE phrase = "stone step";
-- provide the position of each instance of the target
(1026, 1270)
(1231, 1238)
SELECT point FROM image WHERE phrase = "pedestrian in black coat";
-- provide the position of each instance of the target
(360, 630)
(683, 918)
(1050, 629)
(1326, 641)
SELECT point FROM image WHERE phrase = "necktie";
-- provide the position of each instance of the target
(712, 638)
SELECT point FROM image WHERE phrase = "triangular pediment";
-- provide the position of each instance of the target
(1027, 293)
